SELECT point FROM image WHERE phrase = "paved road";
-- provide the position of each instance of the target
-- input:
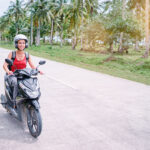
(82, 110)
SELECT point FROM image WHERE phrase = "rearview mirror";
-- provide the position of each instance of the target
(9, 61)
(42, 62)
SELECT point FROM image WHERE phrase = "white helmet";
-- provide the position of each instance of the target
(20, 37)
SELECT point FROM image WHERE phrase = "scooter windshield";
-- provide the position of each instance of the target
(23, 72)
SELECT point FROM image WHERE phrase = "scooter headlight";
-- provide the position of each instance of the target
(32, 94)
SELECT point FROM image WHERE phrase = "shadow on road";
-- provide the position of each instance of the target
(13, 130)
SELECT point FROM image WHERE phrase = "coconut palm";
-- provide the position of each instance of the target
(40, 11)
(53, 11)
(61, 15)
(121, 34)
(16, 12)
(73, 15)
(13, 19)
(147, 28)
(88, 8)
(145, 5)
(29, 3)
(137, 6)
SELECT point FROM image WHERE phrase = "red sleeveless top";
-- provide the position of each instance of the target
(19, 64)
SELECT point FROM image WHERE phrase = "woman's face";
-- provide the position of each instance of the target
(21, 45)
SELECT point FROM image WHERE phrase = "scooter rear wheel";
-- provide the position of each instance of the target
(34, 121)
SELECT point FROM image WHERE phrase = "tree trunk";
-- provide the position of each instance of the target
(38, 34)
(82, 27)
(121, 35)
(17, 30)
(51, 36)
(137, 45)
(120, 43)
(31, 31)
(61, 32)
(0, 36)
(34, 39)
(147, 29)
(61, 37)
(138, 17)
(111, 47)
(74, 42)
(44, 40)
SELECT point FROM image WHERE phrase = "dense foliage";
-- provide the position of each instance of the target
(92, 23)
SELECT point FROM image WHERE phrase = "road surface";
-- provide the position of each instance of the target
(82, 110)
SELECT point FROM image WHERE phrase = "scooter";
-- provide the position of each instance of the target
(28, 97)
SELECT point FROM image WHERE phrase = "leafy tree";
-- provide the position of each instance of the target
(115, 24)
(147, 28)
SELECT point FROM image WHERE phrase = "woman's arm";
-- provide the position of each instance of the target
(32, 65)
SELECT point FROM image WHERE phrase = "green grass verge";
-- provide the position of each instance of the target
(129, 66)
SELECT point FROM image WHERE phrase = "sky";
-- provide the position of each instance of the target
(4, 6)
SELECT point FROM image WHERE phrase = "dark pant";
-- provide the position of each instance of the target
(12, 80)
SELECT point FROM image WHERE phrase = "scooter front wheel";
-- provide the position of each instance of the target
(34, 121)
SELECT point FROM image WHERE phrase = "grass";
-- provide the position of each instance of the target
(129, 66)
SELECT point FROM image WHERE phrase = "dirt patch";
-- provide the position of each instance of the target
(110, 58)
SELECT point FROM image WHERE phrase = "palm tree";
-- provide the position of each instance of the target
(137, 6)
(4, 21)
(110, 12)
(57, 13)
(147, 28)
(29, 6)
(82, 2)
(123, 17)
(3, 24)
(16, 12)
(14, 20)
(40, 11)
(144, 4)
(88, 8)
(54, 8)
(73, 15)
(75, 19)
(61, 15)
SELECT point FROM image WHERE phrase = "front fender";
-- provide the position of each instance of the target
(35, 104)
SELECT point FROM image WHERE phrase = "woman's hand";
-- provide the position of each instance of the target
(41, 72)
(10, 72)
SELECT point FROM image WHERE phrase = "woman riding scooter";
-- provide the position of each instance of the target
(20, 59)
